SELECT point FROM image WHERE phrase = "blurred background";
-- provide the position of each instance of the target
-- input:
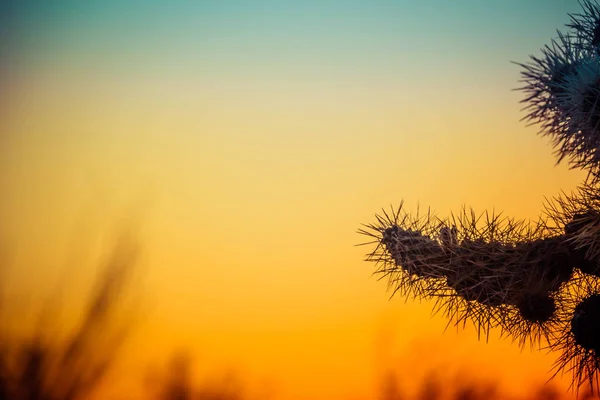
(246, 142)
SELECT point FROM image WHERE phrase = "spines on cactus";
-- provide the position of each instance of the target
(538, 282)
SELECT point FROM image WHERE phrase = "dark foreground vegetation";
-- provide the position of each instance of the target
(38, 367)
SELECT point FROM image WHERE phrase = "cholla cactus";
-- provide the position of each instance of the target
(537, 281)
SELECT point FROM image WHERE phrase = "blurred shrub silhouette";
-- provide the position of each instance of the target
(436, 386)
(42, 368)
(179, 385)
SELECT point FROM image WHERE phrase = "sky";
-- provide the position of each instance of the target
(251, 140)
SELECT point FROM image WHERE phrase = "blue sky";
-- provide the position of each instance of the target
(242, 31)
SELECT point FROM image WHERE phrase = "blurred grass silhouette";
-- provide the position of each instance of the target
(40, 368)
(437, 386)
(178, 384)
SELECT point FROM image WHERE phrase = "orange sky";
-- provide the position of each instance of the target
(249, 240)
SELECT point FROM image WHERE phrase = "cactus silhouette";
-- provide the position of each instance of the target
(537, 281)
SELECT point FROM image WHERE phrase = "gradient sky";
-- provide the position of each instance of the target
(252, 139)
